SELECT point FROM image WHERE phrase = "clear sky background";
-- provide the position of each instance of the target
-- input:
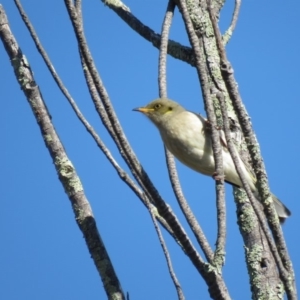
(43, 254)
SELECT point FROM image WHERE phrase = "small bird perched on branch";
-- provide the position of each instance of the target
(187, 136)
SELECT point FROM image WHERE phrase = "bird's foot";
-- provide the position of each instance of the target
(218, 177)
(208, 126)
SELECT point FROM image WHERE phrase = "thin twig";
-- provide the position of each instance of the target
(162, 84)
(188, 213)
(229, 31)
(167, 255)
(162, 73)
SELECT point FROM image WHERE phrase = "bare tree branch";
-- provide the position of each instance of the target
(227, 35)
(257, 254)
(175, 49)
(222, 292)
(260, 172)
(219, 255)
(188, 213)
(269, 266)
(162, 73)
(64, 167)
(167, 255)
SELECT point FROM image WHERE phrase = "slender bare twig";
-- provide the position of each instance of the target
(259, 169)
(162, 73)
(215, 135)
(188, 213)
(162, 84)
(227, 35)
(167, 255)
(175, 49)
(64, 167)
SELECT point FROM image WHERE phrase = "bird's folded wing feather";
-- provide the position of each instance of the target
(225, 148)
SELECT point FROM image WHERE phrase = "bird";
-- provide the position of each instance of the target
(188, 137)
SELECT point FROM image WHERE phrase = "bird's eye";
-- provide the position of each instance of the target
(157, 106)
(170, 108)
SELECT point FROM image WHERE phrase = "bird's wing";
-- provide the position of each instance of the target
(207, 128)
(243, 158)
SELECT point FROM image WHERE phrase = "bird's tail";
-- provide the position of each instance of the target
(282, 211)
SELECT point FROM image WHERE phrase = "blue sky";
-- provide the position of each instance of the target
(43, 254)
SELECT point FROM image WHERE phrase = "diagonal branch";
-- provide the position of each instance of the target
(64, 167)
(167, 255)
(188, 213)
(175, 49)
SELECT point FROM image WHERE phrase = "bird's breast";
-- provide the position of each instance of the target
(186, 139)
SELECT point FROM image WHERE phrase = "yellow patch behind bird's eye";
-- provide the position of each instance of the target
(168, 110)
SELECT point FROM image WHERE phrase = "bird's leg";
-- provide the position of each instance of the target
(207, 126)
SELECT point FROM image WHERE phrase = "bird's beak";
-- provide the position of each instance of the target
(143, 110)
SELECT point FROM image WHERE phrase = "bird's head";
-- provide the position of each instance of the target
(160, 110)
